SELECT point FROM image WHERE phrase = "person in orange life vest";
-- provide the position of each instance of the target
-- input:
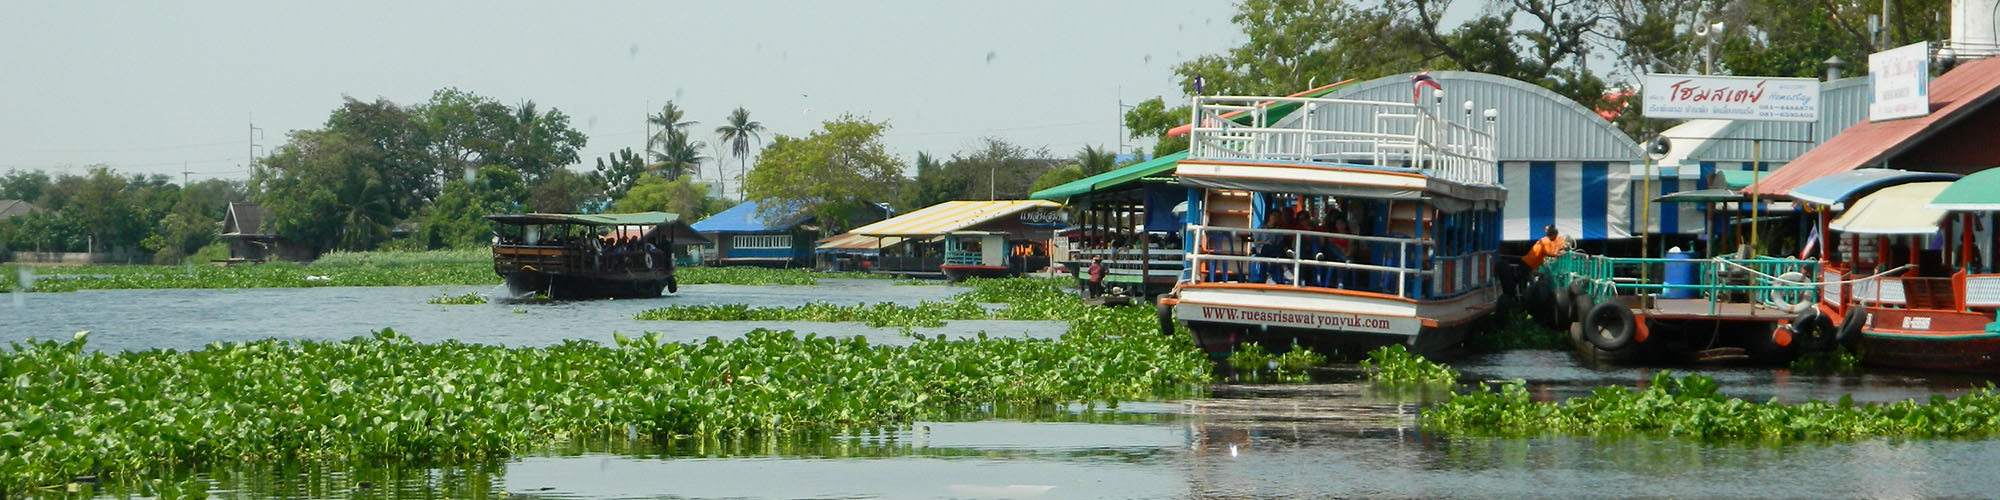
(1552, 244)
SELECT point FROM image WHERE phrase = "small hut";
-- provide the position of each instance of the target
(243, 228)
(920, 243)
(745, 237)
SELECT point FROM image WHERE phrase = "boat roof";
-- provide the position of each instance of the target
(679, 231)
(1161, 166)
(1898, 209)
(1837, 188)
(744, 218)
(1979, 192)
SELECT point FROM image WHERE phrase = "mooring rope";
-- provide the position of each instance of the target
(1879, 275)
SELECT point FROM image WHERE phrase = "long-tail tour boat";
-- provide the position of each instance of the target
(587, 256)
(1910, 275)
(1346, 224)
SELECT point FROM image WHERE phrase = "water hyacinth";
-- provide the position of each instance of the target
(1024, 298)
(379, 268)
(384, 397)
(1692, 406)
(1393, 364)
(468, 299)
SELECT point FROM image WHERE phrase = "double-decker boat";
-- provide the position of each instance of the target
(585, 256)
(1910, 274)
(1346, 224)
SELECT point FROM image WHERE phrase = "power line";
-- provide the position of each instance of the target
(123, 150)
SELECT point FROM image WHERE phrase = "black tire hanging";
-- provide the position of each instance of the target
(1166, 314)
(673, 286)
(1849, 333)
(1811, 332)
(1609, 326)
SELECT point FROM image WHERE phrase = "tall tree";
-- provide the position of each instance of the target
(932, 185)
(678, 157)
(458, 219)
(1291, 45)
(562, 191)
(1152, 118)
(737, 132)
(683, 197)
(1093, 160)
(466, 130)
(997, 169)
(834, 173)
(539, 142)
(617, 172)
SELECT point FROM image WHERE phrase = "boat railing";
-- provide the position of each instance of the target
(1399, 266)
(1773, 282)
(1403, 136)
(963, 258)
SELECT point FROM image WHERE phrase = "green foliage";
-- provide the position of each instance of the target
(1026, 299)
(679, 196)
(453, 267)
(562, 191)
(1292, 44)
(1093, 160)
(213, 252)
(468, 299)
(1839, 360)
(1057, 177)
(997, 170)
(384, 397)
(1392, 364)
(834, 172)
(618, 172)
(1692, 406)
(737, 131)
(458, 219)
(1784, 38)
(1252, 363)
(1250, 358)
(931, 186)
(180, 235)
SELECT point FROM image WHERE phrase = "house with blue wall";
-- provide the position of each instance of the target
(744, 237)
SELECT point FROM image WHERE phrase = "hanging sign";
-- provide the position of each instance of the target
(1731, 98)
(1901, 82)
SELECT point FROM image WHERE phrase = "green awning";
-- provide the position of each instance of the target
(1112, 179)
(1979, 192)
(1738, 179)
(1711, 195)
(634, 219)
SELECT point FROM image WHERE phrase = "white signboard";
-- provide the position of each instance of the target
(1297, 319)
(1901, 79)
(1731, 98)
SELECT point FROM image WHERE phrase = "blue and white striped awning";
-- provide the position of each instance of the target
(1585, 200)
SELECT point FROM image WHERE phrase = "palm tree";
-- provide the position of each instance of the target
(737, 134)
(679, 156)
(1095, 161)
(671, 121)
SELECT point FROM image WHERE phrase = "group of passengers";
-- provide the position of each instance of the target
(624, 251)
(1331, 246)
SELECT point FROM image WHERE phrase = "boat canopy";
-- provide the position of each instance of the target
(678, 231)
(1898, 209)
(1979, 192)
(1837, 188)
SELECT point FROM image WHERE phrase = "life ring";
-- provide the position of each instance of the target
(1850, 327)
(1609, 326)
(1810, 331)
(649, 260)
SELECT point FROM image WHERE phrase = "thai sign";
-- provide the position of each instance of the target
(1043, 217)
(1732, 98)
(1901, 80)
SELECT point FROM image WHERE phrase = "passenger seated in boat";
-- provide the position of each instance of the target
(1335, 249)
(1275, 246)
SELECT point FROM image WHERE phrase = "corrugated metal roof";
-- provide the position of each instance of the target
(949, 216)
(1535, 124)
(12, 208)
(743, 218)
(1953, 96)
(850, 242)
(1843, 103)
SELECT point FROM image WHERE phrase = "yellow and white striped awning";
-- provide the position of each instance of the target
(851, 242)
(943, 218)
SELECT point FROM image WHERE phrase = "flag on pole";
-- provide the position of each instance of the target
(1417, 84)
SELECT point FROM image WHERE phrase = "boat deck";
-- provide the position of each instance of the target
(1703, 309)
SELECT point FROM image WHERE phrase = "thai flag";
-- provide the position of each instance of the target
(1419, 82)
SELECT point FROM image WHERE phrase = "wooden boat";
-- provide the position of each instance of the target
(587, 256)
(976, 254)
(1676, 309)
(1266, 260)
(1908, 304)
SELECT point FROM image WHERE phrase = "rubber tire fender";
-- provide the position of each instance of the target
(1579, 301)
(1540, 303)
(1811, 332)
(1849, 333)
(673, 285)
(1609, 326)
(1165, 312)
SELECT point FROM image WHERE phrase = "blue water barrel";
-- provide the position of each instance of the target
(1682, 270)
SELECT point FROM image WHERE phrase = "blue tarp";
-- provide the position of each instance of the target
(1838, 188)
(742, 218)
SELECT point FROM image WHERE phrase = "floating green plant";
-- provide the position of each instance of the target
(468, 299)
(385, 397)
(1838, 360)
(1253, 363)
(1395, 365)
(1516, 330)
(1692, 406)
(1024, 298)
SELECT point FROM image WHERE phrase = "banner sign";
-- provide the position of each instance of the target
(1901, 80)
(1731, 98)
(1298, 319)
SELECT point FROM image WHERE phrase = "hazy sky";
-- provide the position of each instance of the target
(146, 86)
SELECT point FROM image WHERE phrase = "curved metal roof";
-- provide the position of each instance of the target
(1535, 124)
(1837, 188)
(1979, 192)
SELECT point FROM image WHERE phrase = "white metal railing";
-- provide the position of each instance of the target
(1226, 254)
(1420, 138)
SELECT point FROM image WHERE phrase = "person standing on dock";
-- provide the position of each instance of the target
(1096, 276)
(1551, 245)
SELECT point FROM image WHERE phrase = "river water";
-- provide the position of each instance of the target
(1340, 439)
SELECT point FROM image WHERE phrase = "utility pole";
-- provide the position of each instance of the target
(184, 174)
(249, 161)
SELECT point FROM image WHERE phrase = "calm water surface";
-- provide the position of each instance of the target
(1337, 439)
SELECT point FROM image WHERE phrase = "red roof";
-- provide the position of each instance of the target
(1954, 96)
